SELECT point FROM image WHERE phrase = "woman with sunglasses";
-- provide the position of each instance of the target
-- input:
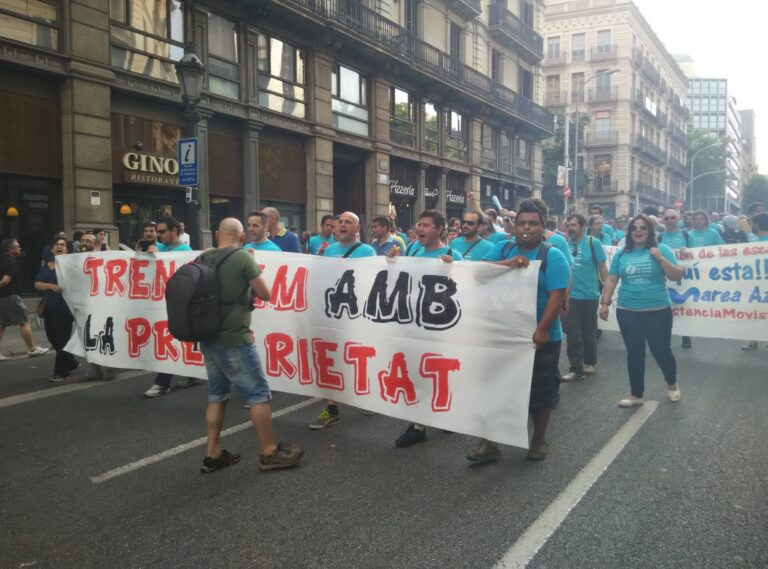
(644, 310)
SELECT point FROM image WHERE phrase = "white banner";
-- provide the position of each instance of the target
(723, 293)
(445, 345)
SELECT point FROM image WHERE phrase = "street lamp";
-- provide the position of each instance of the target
(609, 71)
(190, 71)
(718, 143)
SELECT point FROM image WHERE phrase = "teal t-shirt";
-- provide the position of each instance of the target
(675, 240)
(643, 282)
(609, 235)
(556, 277)
(316, 242)
(497, 237)
(435, 253)
(618, 235)
(263, 246)
(585, 273)
(557, 241)
(474, 251)
(605, 238)
(763, 238)
(338, 250)
(168, 248)
(705, 237)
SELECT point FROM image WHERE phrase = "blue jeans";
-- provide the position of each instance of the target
(240, 366)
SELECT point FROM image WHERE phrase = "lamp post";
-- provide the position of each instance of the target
(610, 71)
(718, 143)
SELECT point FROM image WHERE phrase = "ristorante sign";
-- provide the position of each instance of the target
(147, 169)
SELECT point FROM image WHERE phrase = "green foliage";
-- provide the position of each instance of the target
(554, 156)
(713, 159)
(755, 190)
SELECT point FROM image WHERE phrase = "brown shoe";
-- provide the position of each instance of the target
(538, 450)
(285, 456)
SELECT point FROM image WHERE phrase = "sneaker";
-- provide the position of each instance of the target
(156, 391)
(589, 370)
(748, 347)
(674, 394)
(538, 450)
(2, 358)
(485, 451)
(631, 402)
(226, 458)
(573, 376)
(686, 342)
(324, 420)
(38, 351)
(189, 382)
(411, 436)
(285, 456)
(55, 378)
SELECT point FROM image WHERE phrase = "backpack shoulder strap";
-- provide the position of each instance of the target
(687, 238)
(548, 234)
(592, 248)
(450, 252)
(506, 250)
(351, 250)
(542, 256)
(222, 256)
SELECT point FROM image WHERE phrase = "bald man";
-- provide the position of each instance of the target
(231, 357)
(278, 234)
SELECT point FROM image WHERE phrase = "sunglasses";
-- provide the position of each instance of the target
(639, 228)
(465, 222)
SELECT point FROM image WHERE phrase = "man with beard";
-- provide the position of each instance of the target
(471, 246)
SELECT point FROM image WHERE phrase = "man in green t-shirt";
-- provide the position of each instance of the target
(231, 357)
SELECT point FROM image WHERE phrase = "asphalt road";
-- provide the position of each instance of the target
(689, 489)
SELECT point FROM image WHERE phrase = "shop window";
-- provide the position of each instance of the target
(223, 57)
(350, 100)
(489, 146)
(431, 128)
(147, 36)
(456, 136)
(402, 119)
(281, 77)
(33, 22)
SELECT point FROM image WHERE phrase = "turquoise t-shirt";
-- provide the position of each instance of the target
(163, 248)
(338, 250)
(705, 237)
(675, 240)
(618, 235)
(263, 246)
(643, 282)
(474, 251)
(763, 238)
(316, 242)
(556, 277)
(435, 253)
(585, 280)
(557, 241)
(609, 233)
(497, 237)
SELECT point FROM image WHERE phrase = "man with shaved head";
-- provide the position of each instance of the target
(278, 234)
(231, 357)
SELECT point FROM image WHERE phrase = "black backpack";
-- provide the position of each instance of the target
(192, 299)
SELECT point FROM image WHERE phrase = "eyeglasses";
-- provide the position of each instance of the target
(465, 222)
(639, 228)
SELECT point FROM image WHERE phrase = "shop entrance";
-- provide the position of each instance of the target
(348, 181)
(150, 204)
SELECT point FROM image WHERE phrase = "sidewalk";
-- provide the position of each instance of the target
(13, 346)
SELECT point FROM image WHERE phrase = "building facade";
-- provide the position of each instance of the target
(713, 109)
(313, 107)
(603, 59)
(748, 145)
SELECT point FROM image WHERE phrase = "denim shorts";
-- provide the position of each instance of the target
(240, 366)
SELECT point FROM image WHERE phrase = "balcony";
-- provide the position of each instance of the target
(467, 10)
(638, 98)
(508, 29)
(380, 40)
(651, 73)
(607, 52)
(602, 187)
(677, 133)
(554, 59)
(523, 169)
(648, 148)
(662, 119)
(675, 165)
(649, 191)
(608, 138)
(637, 57)
(603, 95)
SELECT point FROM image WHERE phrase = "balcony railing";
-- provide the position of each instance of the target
(650, 191)
(609, 138)
(554, 59)
(600, 186)
(676, 133)
(602, 95)
(355, 17)
(649, 148)
(466, 9)
(604, 52)
(675, 165)
(508, 28)
(651, 73)
(637, 56)
(638, 98)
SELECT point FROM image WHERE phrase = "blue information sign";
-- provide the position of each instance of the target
(188, 162)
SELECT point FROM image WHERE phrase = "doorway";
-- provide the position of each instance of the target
(348, 180)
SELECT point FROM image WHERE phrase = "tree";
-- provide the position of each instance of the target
(554, 156)
(755, 190)
(707, 189)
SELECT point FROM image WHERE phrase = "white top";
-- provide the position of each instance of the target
(184, 238)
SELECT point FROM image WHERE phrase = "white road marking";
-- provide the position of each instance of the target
(115, 472)
(62, 389)
(537, 534)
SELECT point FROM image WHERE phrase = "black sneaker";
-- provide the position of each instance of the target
(686, 342)
(411, 436)
(285, 456)
(225, 459)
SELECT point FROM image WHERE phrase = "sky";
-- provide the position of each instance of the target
(725, 39)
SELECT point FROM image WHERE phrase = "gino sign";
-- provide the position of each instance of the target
(148, 169)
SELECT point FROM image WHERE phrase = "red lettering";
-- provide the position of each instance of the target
(164, 346)
(91, 268)
(191, 355)
(357, 356)
(162, 274)
(278, 347)
(305, 372)
(437, 368)
(115, 270)
(139, 332)
(136, 287)
(395, 381)
(327, 377)
(293, 297)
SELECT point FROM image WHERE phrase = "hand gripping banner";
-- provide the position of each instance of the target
(444, 345)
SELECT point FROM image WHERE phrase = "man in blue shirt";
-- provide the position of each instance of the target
(257, 233)
(606, 229)
(317, 244)
(280, 236)
(598, 230)
(554, 279)
(676, 239)
(703, 235)
(471, 246)
(382, 240)
(589, 270)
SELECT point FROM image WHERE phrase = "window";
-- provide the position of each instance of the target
(602, 173)
(431, 128)
(526, 83)
(577, 87)
(552, 94)
(412, 16)
(350, 100)
(456, 50)
(456, 136)
(402, 119)
(523, 158)
(526, 13)
(602, 122)
(223, 60)
(506, 144)
(30, 21)
(496, 65)
(488, 143)
(147, 36)
(603, 83)
(604, 41)
(553, 48)
(578, 47)
(281, 77)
